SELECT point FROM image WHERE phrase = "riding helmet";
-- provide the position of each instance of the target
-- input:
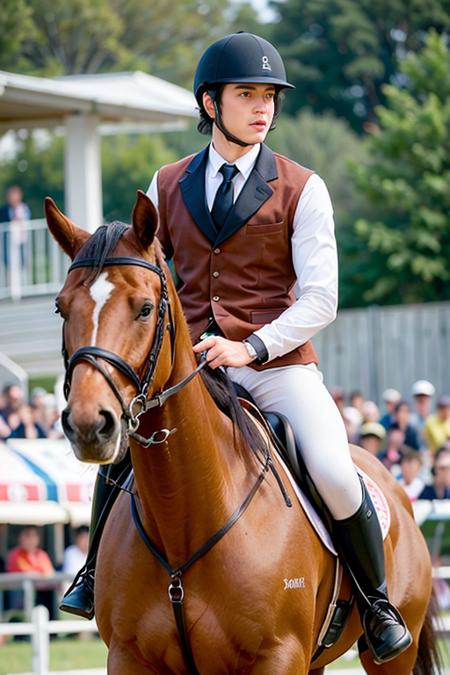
(239, 57)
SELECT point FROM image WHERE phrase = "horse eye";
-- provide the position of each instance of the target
(146, 311)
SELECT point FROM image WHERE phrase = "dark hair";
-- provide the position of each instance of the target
(407, 453)
(82, 529)
(102, 242)
(222, 391)
(205, 122)
(400, 404)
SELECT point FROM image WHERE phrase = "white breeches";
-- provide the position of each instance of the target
(298, 393)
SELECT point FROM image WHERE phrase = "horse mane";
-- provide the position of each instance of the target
(98, 247)
(221, 390)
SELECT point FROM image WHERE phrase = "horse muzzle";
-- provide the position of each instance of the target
(95, 437)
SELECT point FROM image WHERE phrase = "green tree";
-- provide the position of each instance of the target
(15, 25)
(339, 53)
(89, 36)
(129, 163)
(326, 145)
(405, 234)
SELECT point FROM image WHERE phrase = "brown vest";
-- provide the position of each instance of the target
(242, 276)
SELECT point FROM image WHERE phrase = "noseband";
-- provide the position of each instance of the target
(91, 354)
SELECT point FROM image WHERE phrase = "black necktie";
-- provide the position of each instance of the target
(224, 195)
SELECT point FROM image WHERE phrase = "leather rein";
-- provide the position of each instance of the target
(131, 414)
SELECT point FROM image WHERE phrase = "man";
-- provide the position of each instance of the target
(371, 436)
(29, 557)
(437, 427)
(390, 399)
(244, 226)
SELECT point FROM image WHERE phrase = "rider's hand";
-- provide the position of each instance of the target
(223, 352)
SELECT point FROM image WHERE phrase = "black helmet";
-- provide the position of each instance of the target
(239, 57)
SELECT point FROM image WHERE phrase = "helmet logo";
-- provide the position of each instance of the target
(265, 63)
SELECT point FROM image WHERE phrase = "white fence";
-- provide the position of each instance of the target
(31, 263)
(40, 628)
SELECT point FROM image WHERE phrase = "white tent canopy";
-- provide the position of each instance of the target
(81, 103)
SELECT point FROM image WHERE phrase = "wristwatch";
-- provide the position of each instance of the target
(258, 349)
(250, 349)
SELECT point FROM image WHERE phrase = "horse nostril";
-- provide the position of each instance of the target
(107, 426)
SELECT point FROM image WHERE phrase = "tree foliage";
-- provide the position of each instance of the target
(339, 53)
(405, 182)
(89, 36)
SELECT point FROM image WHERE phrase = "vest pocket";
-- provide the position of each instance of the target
(266, 228)
(266, 315)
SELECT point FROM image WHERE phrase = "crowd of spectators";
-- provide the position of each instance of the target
(412, 439)
(37, 418)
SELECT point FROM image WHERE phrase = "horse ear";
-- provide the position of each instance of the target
(68, 235)
(144, 219)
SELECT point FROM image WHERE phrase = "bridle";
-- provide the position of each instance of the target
(91, 354)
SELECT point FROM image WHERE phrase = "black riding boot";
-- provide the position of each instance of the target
(360, 542)
(79, 598)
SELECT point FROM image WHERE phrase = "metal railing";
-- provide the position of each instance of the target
(31, 262)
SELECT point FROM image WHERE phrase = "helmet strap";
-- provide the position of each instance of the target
(228, 135)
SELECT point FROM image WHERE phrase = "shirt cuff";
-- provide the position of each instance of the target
(262, 355)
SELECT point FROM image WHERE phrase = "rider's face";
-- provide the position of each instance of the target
(247, 110)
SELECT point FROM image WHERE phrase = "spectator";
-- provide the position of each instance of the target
(409, 479)
(370, 411)
(29, 557)
(45, 412)
(15, 212)
(390, 398)
(391, 456)
(422, 392)
(352, 421)
(401, 421)
(75, 555)
(437, 427)
(10, 413)
(27, 427)
(357, 400)
(440, 487)
(371, 437)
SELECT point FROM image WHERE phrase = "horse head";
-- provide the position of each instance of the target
(114, 304)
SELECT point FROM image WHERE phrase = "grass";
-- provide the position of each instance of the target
(65, 654)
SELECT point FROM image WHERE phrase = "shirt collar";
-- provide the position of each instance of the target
(245, 163)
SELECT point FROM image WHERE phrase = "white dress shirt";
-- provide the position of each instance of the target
(314, 256)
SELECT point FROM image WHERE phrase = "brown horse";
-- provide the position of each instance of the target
(118, 309)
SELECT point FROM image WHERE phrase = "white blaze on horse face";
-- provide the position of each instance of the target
(100, 292)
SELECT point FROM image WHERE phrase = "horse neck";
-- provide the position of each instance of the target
(190, 484)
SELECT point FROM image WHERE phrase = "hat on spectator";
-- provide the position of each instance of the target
(444, 401)
(373, 429)
(391, 396)
(38, 391)
(422, 388)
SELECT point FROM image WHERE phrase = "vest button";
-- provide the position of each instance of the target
(216, 298)
(216, 251)
(215, 274)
